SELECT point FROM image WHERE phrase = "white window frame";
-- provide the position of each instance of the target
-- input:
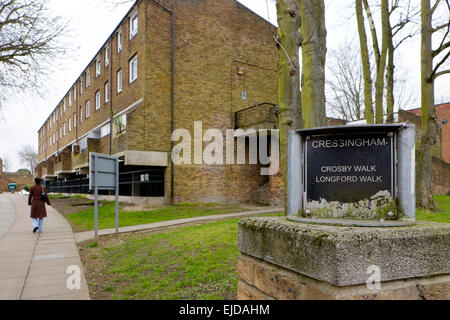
(88, 109)
(98, 67)
(64, 104)
(133, 65)
(119, 81)
(106, 92)
(64, 129)
(75, 93)
(98, 100)
(70, 124)
(106, 56)
(70, 97)
(81, 85)
(88, 78)
(119, 41)
(134, 31)
(74, 119)
(81, 114)
(105, 130)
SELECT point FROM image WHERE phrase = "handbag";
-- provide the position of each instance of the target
(44, 196)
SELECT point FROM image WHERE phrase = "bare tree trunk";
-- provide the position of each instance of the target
(390, 79)
(289, 95)
(368, 98)
(314, 51)
(381, 66)
(424, 191)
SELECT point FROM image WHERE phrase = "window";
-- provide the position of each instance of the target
(106, 56)
(81, 114)
(75, 93)
(57, 135)
(106, 92)
(88, 109)
(133, 69)
(97, 100)
(57, 115)
(88, 78)
(70, 98)
(119, 81)
(106, 130)
(119, 41)
(81, 85)
(133, 25)
(64, 128)
(98, 67)
(64, 104)
(74, 119)
(70, 124)
(121, 123)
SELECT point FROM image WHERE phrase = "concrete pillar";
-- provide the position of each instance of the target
(294, 261)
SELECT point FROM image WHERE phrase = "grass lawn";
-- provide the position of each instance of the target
(195, 263)
(84, 220)
(444, 216)
(189, 263)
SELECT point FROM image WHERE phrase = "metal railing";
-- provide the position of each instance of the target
(152, 184)
(258, 113)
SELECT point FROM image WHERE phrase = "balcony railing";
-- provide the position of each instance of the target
(260, 116)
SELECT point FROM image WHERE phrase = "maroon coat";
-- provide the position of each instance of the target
(38, 210)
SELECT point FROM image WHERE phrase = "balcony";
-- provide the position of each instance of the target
(258, 117)
(63, 163)
(81, 159)
(48, 171)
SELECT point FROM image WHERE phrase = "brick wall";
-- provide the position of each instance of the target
(222, 49)
(442, 114)
(209, 88)
(441, 177)
(20, 179)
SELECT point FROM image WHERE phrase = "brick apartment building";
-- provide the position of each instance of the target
(167, 64)
(443, 119)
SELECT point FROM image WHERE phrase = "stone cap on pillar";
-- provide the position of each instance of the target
(342, 255)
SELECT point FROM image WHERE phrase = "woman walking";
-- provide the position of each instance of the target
(37, 199)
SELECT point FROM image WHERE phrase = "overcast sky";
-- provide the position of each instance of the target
(92, 21)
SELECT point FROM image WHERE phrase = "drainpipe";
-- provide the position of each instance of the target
(110, 94)
(172, 95)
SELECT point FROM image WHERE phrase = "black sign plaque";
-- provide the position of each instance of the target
(349, 168)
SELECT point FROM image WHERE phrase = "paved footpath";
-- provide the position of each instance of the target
(32, 266)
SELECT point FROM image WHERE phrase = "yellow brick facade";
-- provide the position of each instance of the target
(225, 60)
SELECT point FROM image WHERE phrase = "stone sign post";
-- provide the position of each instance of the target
(350, 230)
(358, 175)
